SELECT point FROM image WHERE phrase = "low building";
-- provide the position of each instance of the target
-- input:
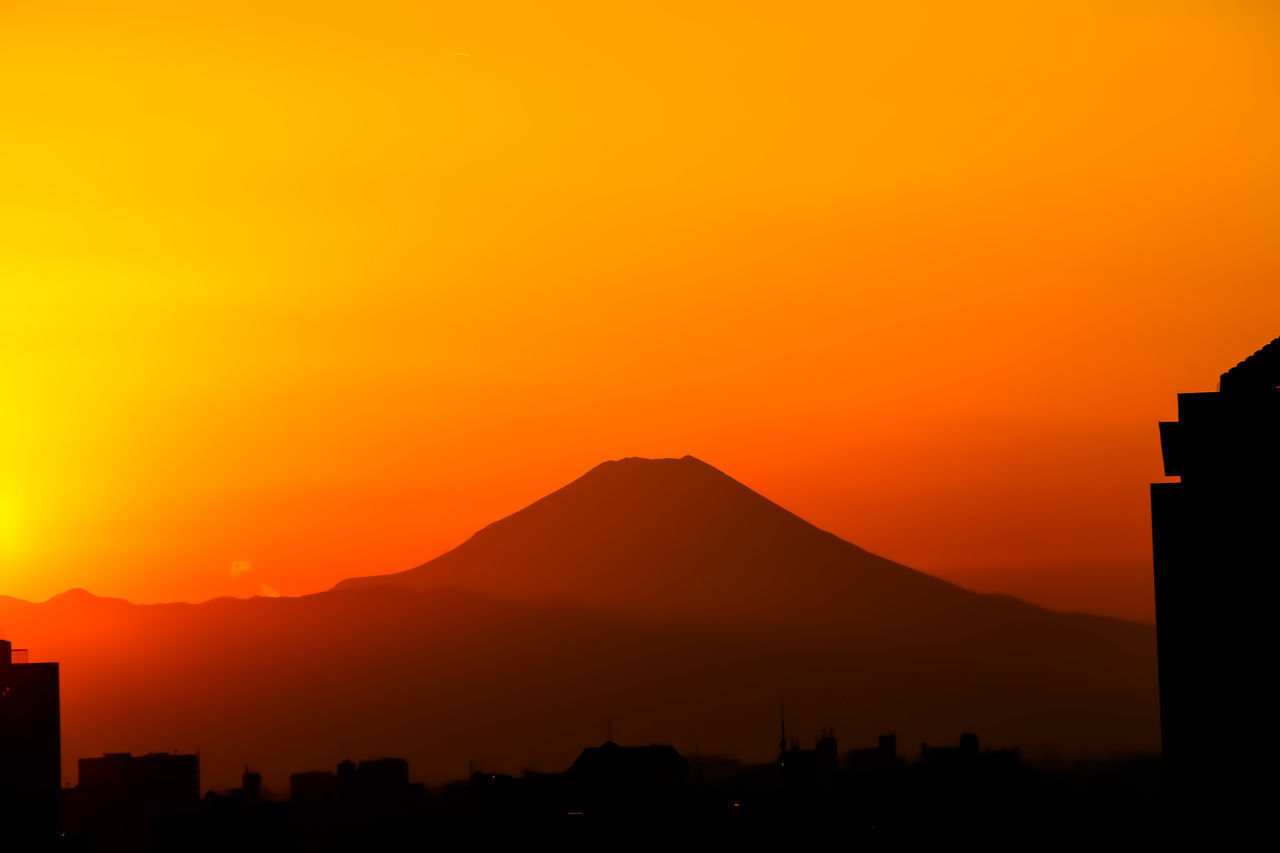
(120, 797)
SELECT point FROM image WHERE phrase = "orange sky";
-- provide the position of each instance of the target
(323, 288)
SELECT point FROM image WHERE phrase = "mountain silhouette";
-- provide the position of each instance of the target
(677, 538)
(660, 594)
(674, 537)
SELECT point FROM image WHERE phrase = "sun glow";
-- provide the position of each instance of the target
(8, 530)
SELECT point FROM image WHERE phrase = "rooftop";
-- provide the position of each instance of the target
(1258, 372)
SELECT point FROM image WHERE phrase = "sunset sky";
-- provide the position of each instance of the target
(291, 292)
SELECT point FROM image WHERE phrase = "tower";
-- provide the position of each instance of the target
(782, 729)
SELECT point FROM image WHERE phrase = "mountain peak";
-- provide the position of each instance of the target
(655, 467)
(636, 492)
(75, 594)
(675, 536)
(655, 462)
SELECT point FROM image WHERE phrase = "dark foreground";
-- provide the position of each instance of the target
(628, 796)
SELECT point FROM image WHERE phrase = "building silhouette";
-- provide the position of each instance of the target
(626, 780)
(1217, 551)
(241, 819)
(30, 751)
(881, 758)
(614, 795)
(370, 802)
(120, 797)
(967, 755)
(369, 785)
(821, 761)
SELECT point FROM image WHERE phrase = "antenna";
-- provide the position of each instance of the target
(782, 726)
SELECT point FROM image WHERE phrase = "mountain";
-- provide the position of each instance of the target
(679, 539)
(661, 595)
(675, 537)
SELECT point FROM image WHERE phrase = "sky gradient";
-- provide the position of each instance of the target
(291, 292)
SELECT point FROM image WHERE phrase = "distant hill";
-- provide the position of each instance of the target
(660, 595)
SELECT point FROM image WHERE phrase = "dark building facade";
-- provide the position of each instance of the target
(382, 780)
(656, 766)
(30, 751)
(623, 783)
(881, 758)
(120, 797)
(1216, 542)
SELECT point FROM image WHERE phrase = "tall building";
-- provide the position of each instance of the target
(1216, 538)
(30, 751)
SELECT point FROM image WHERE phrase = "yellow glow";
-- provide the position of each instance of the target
(8, 528)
